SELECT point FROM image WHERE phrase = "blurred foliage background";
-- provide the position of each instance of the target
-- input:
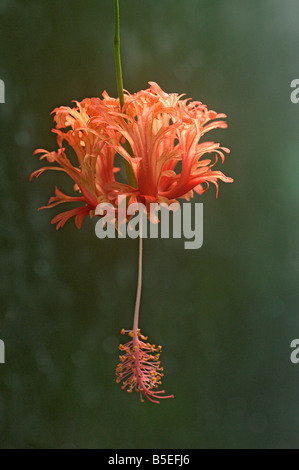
(225, 314)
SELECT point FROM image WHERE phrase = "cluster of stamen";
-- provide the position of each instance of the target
(140, 368)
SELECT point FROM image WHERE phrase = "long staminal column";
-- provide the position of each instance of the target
(140, 368)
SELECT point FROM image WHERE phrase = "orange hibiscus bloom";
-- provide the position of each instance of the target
(169, 162)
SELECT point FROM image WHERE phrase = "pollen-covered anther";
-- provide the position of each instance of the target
(139, 370)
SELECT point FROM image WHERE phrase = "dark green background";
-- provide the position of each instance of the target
(225, 314)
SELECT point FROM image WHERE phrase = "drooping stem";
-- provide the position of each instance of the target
(120, 88)
(139, 284)
(119, 77)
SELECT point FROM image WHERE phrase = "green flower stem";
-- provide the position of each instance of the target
(117, 57)
(119, 78)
